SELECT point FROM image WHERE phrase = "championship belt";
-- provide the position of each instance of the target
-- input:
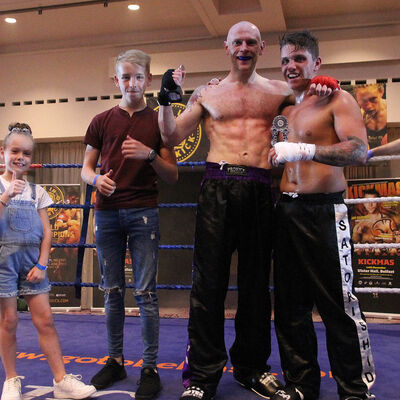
(279, 125)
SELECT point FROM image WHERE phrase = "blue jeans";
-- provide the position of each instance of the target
(140, 228)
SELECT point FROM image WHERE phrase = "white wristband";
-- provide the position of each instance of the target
(307, 151)
(289, 152)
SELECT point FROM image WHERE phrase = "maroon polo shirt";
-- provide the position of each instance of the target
(136, 179)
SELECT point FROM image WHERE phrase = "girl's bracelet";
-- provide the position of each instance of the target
(41, 267)
(3, 203)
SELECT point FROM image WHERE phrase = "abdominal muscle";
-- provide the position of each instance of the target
(312, 177)
(241, 141)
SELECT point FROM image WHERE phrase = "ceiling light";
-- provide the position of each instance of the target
(10, 20)
(133, 7)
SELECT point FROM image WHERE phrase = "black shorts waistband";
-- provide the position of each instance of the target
(316, 198)
(237, 172)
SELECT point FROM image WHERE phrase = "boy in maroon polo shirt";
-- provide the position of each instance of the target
(127, 139)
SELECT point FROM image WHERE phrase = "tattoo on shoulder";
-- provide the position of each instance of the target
(194, 98)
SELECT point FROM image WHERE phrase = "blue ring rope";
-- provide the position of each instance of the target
(93, 246)
(161, 205)
(131, 286)
(82, 245)
(180, 164)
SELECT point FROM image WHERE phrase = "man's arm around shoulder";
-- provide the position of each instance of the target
(289, 99)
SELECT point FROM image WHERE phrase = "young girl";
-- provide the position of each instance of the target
(25, 241)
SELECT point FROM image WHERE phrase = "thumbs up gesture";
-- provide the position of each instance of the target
(105, 185)
(16, 187)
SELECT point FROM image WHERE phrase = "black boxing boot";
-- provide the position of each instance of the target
(264, 383)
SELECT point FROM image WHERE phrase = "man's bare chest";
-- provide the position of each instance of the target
(310, 125)
(244, 104)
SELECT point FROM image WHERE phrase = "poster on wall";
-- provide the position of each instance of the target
(372, 101)
(376, 222)
(66, 228)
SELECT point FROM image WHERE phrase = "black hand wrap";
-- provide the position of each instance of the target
(170, 92)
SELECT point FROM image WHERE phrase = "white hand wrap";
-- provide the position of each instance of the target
(288, 152)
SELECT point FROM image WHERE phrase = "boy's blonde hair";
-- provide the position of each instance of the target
(133, 57)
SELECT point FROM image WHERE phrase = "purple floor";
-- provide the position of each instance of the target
(84, 345)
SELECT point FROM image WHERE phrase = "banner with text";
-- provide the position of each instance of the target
(376, 222)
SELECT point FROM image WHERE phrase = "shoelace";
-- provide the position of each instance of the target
(75, 379)
(79, 377)
(15, 378)
(14, 381)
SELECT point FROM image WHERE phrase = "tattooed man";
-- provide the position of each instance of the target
(312, 257)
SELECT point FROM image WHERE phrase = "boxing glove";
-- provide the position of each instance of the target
(170, 92)
(330, 82)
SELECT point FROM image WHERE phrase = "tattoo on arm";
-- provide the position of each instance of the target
(350, 152)
(196, 95)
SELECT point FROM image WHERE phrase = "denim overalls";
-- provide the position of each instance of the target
(21, 233)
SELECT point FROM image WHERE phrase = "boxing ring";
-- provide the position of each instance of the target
(83, 336)
(82, 245)
(87, 206)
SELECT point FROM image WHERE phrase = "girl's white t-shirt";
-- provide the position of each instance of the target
(42, 200)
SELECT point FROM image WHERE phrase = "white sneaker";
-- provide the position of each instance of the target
(71, 387)
(12, 389)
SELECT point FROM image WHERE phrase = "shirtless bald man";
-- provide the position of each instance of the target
(312, 257)
(235, 212)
